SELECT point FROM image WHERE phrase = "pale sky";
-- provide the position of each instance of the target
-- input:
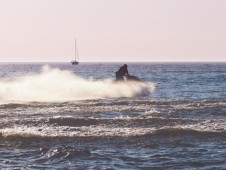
(112, 30)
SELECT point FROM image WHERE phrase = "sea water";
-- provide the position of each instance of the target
(59, 116)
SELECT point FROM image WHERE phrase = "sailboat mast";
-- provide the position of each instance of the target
(75, 49)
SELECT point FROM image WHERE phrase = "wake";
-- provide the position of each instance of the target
(52, 85)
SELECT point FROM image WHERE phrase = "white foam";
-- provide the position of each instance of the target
(60, 85)
(66, 131)
(104, 130)
(152, 112)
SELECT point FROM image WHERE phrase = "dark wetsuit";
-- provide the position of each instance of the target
(121, 72)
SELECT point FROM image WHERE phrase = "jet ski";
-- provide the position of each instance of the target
(130, 78)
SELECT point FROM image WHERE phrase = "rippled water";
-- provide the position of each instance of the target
(76, 117)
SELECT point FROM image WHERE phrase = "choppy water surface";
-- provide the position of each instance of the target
(76, 117)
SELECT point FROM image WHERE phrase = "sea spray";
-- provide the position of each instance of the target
(60, 85)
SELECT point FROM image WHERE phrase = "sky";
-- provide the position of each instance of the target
(113, 30)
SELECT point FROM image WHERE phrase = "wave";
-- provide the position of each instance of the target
(173, 132)
(59, 85)
(121, 127)
(176, 103)
(119, 133)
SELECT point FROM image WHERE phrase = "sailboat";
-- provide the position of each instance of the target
(75, 62)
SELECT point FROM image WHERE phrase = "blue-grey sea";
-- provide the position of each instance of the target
(60, 116)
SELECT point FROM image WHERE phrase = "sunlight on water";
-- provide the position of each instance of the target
(59, 85)
(44, 117)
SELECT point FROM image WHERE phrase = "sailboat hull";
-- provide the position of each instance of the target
(74, 62)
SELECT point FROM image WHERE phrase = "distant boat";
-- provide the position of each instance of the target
(75, 62)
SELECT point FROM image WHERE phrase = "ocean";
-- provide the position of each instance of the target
(59, 116)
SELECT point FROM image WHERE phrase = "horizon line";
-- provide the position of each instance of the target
(114, 61)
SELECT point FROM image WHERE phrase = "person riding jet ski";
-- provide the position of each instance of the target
(123, 71)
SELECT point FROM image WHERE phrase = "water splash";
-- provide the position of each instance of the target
(59, 85)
